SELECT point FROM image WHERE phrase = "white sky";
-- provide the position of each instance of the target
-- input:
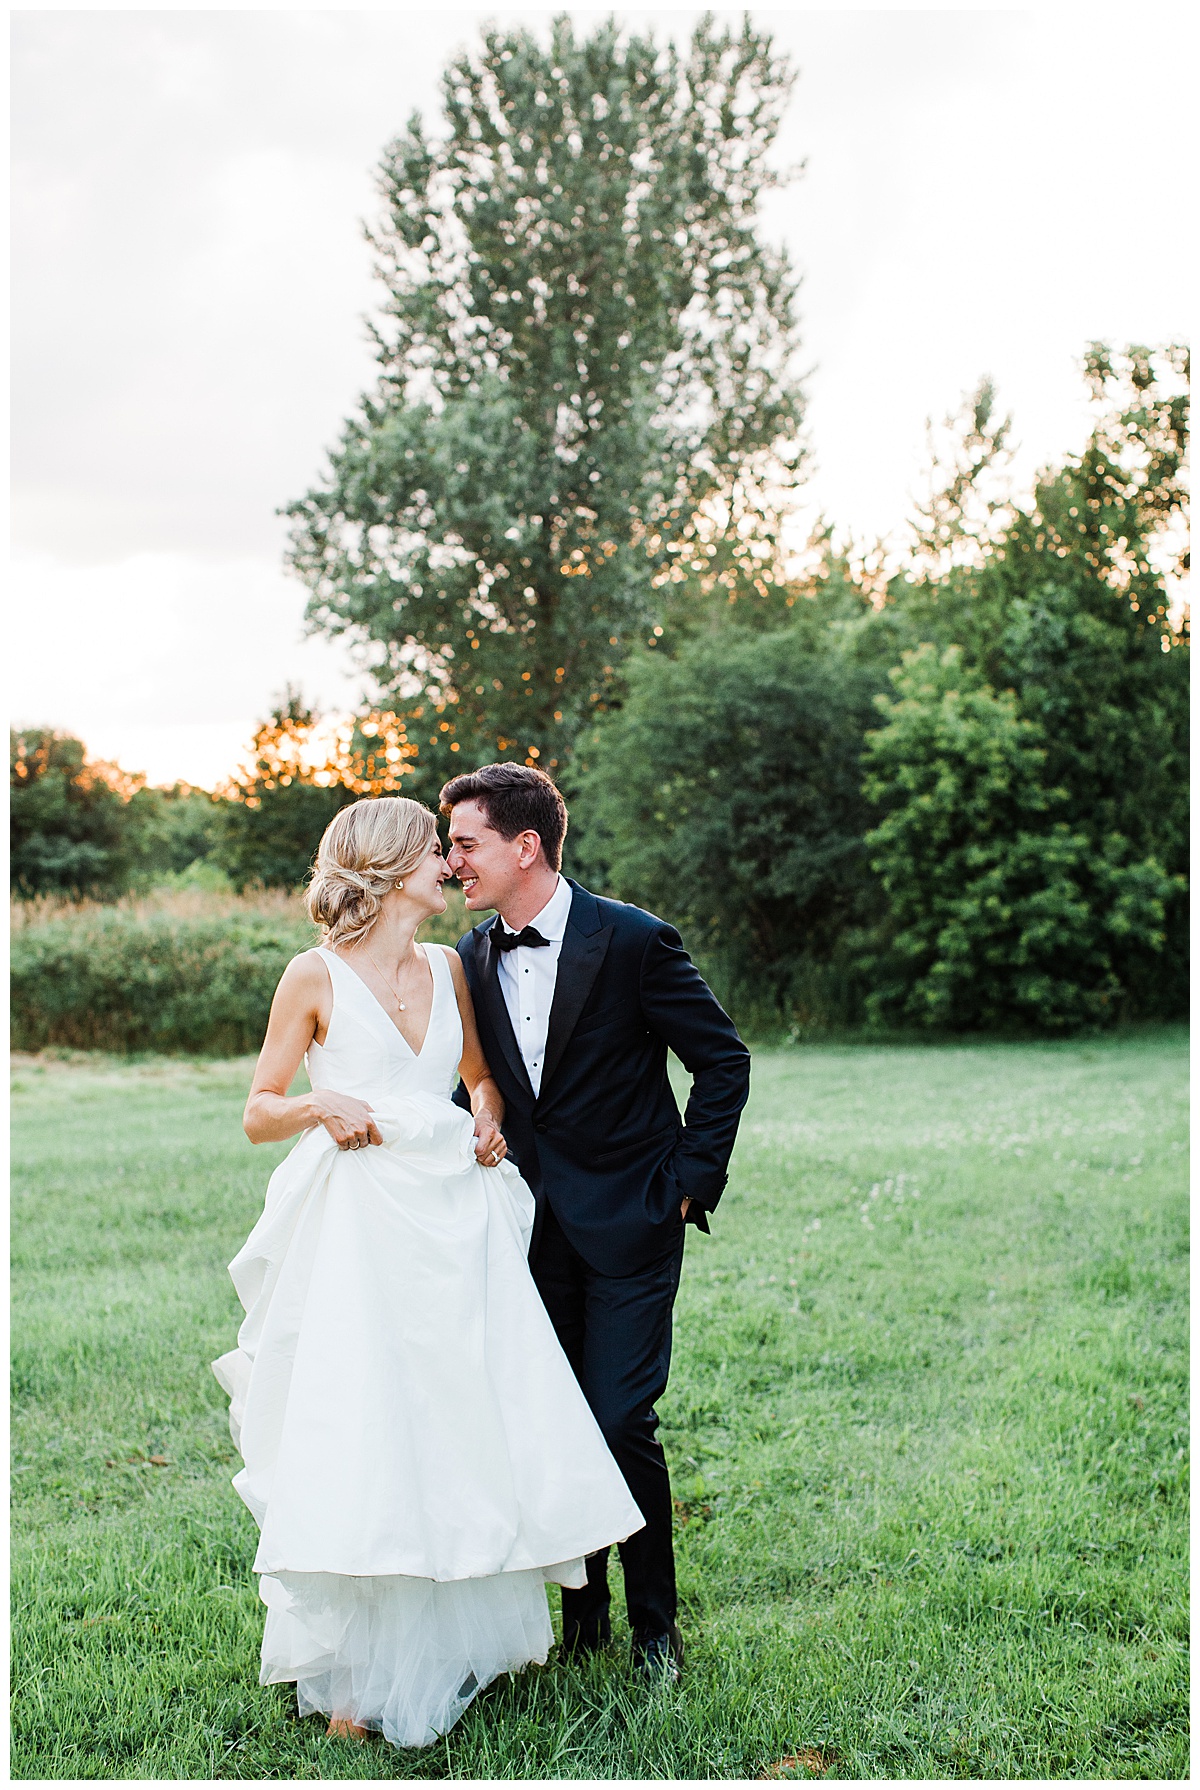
(985, 192)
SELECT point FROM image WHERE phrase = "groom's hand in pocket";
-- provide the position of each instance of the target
(683, 1210)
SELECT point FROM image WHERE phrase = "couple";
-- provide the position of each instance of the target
(444, 1388)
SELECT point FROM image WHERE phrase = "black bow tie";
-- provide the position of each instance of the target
(508, 941)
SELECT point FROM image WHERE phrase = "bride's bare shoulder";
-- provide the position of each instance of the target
(456, 966)
(306, 974)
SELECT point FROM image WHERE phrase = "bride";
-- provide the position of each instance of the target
(417, 1454)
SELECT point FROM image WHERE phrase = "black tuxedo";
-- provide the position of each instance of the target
(609, 1161)
(603, 1143)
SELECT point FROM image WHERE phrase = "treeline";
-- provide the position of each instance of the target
(943, 786)
(958, 799)
(90, 830)
(86, 829)
(954, 796)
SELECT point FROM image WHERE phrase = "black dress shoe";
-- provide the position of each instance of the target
(587, 1637)
(659, 1657)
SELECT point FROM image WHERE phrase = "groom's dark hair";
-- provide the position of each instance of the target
(517, 798)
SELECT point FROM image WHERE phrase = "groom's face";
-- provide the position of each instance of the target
(486, 864)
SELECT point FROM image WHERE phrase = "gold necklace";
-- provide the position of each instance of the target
(388, 979)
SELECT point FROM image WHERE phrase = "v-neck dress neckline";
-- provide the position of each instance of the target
(424, 949)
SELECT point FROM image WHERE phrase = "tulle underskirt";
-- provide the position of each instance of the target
(402, 1655)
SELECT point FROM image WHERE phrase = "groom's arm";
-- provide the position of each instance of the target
(682, 1009)
(461, 1096)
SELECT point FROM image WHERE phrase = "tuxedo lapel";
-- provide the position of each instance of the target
(584, 945)
(487, 960)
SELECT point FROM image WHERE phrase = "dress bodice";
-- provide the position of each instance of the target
(365, 1054)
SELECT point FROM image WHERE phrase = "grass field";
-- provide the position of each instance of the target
(926, 1424)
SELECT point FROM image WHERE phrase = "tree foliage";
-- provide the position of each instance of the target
(68, 819)
(1001, 912)
(1033, 774)
(302, 767)
(726, 793)
(86, 828)
(584, 388)
(956, 799)
(965, 504)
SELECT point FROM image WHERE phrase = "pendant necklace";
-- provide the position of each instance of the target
(388, 980)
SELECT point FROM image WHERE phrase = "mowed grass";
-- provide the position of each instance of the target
(926, 1423)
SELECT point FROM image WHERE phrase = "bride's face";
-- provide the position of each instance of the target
(424, 884)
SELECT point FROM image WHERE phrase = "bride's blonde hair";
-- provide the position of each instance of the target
(366, 850)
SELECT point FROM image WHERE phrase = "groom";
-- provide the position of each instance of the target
(578, 1000)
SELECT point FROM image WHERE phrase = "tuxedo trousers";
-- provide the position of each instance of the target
(616, 1334)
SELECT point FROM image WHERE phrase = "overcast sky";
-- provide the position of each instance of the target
(984, 192)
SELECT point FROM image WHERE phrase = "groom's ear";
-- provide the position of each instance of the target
(530, 844)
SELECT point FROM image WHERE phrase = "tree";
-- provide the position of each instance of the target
(966, 500)
(72, 829)
(178, 827)
(1000, 911)
(726, 792)
(83, 827)
(584, 390)
(1057, 618)
(301, 770)
(279, 804)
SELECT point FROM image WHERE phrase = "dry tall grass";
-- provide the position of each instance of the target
(193, 902)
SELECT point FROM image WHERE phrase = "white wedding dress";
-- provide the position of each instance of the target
(418, 1455)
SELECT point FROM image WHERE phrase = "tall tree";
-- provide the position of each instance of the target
(584, 383)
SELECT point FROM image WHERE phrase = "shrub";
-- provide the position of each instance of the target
(117, 981)
(187, 975)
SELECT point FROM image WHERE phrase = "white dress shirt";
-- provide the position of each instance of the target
(527, 978)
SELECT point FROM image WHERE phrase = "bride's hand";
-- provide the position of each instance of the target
(490, 1147)
(347, 1120)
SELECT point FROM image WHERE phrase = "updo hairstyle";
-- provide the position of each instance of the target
(366, 851)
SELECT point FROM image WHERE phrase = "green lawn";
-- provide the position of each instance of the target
(926, 1423)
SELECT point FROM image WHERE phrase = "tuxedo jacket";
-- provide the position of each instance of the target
(603, 1141)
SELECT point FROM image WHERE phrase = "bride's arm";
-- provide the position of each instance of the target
(487, 1102)
(301, 1007)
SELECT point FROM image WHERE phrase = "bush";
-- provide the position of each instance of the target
(118, 981)
(193, 975)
